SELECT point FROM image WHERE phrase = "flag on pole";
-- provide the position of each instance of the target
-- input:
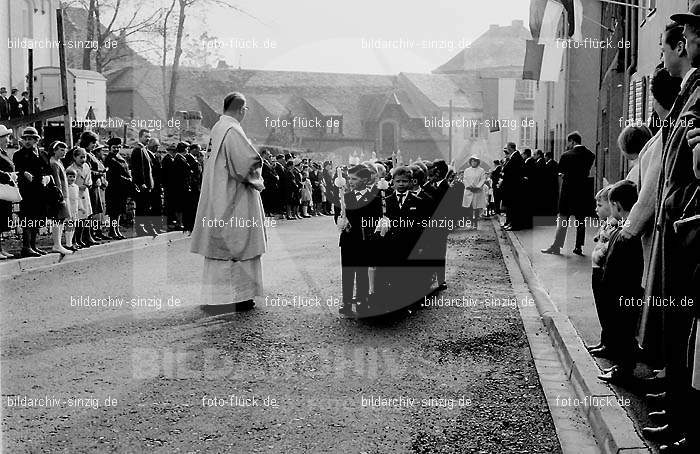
(543, 55)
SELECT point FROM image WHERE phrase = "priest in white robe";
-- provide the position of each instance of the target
(229, 229)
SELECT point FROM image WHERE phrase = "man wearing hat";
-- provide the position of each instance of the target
(33, 172)
(671, 268)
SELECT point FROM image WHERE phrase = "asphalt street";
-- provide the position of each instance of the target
(113, 355)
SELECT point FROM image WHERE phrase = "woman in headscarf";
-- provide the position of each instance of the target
(474, 198)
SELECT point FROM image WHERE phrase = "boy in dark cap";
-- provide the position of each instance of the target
(363, 209)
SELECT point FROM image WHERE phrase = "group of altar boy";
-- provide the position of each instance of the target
(393, 239)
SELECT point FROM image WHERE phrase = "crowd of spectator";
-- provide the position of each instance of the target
(83, 195)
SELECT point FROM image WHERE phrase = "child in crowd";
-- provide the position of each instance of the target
(73, 202)
(602, 239)
(306, 200)
(83, 179)
(621, 288)
(363, 209)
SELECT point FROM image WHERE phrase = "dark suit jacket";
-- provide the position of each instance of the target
(409, 220)
(4, 109)
(363, 216)
(195, 172)
(141, 167)
(575, 165)
(512, 174)
(15, 109)
(24, 105)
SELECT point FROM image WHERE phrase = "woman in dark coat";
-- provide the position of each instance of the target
(6, 169)
(119, 186)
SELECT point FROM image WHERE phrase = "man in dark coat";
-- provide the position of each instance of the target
(190, 209)
(31, 170)
(24, 103)
(269, 195)
(142, 174)
(671, 270)
(15, 108)
(156, 204)
(4, 105)
(550, 184)
(512, 189)
(575, 198)
(495, 178)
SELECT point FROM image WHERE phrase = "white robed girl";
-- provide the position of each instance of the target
(474, 198)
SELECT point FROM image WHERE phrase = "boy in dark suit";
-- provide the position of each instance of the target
(406, 280)
(363, 209)
(621, 287)
(444, 211)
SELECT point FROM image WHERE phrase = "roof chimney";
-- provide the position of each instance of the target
(493, 27)
(517, 23)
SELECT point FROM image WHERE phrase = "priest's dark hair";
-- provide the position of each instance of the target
(234, 101)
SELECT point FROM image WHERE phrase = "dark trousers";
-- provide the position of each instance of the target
(563, 226)
(622, 329)
(693, 400)
(143, 200)
(601, 308)
(678, 329)
(354, 277)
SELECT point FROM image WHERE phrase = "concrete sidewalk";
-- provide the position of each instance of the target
(561, 285)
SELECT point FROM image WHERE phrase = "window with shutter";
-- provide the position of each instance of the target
(639, 101)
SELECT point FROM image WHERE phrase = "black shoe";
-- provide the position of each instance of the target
(346, 309)
(616, 376)
(245, 306)
(39, 250)
(657, 415)
(140, 230)
(551, 250)
(603, 352)
(218, 309)
(657, 433)
(29, 253)
(595, 347)
(151, 229)
(72, 248)
(657, 399)
(677, 447)
(578, 251)
(442, 286)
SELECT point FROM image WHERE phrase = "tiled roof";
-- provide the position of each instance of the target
(509, 40)
(322, 107)
(463, 90)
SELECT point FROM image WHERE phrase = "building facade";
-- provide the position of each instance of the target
(26, 23)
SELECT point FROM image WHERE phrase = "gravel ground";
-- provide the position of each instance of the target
(277, 379)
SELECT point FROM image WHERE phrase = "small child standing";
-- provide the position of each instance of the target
(73, 202)
(600, 250)
(306, 195)
(621, 286)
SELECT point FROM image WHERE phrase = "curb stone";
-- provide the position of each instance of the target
(15, 267)
(612, 427)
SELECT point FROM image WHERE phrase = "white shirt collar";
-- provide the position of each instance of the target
(686, 77)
